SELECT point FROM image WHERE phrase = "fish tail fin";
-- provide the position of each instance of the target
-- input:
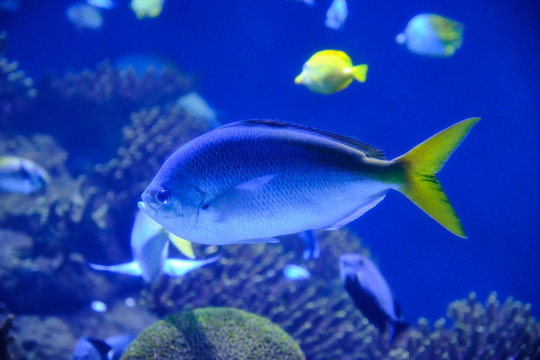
(359, 72)
(421, 164)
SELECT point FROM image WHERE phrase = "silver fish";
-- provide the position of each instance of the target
(371, 293)
(21, 175)
(253, 180)
(337, 14)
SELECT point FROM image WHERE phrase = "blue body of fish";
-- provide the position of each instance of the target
(253, 180)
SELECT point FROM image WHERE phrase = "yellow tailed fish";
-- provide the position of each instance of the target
(432, 35)
(296, 178)
(146, 8)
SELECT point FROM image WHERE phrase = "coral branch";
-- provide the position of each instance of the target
(5, 338)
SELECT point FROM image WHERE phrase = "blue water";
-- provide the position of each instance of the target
(246, 54)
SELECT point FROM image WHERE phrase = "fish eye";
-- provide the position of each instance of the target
(163, 196)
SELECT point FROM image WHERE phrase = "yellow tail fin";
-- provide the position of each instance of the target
(421, 164)
(359, 72)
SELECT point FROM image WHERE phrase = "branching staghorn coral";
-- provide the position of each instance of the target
(88, 218)
(321, 317)
(85, 111)
(108, 84)
(16, 89)
(153, 135)
(478, 331)
(317, 313)
(5, 338)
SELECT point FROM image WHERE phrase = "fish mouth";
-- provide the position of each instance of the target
(147, 209)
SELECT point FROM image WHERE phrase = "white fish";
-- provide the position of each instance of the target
(296, 272)
(150, 249)
(432, 35)
(194, 105)
(98, 306)
(371, 293)
(103, 4)
(21, 175)
(337, 14)
(84, 16)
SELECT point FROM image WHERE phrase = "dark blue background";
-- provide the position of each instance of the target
(246, 55)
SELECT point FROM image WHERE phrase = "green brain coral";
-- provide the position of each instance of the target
(213, 333)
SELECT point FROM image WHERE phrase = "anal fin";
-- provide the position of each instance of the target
(368, 204)
(260, 241)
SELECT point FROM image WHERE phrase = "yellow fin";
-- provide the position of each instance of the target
(421, 164)
(337, 53)
(182, 245)
(359, 72)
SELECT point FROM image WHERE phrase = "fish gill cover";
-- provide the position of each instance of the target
(103, 132)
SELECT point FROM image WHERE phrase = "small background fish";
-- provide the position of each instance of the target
(432, 35)
(329, 71)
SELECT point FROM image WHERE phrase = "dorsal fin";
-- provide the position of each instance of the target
(338, 53)
(370, 150)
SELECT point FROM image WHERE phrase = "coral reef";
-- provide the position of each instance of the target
(83, 218)
(85, 111)
(39, 283)
(321, 317)
(5, 338)
(488, 331)
(118, 126)
(16, 89)
(153, 134)
(317, 313)
(213, 333)
(55, 337)
(124, 88)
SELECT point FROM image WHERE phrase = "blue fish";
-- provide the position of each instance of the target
(432, 35)
(295, 272)
(91, 349)
(112, 348)
(371, 293)
(251, 181)
(98, 306)
(150, 249)
(311, 242)
(119, 344)
(337, 14)
(20, 175)
(103, 4)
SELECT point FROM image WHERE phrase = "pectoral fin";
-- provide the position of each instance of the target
(372, 201)
(255, 184)
(130, 268)
(179, 267)
(220, 206)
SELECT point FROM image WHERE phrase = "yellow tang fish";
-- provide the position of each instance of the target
(329, 71)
